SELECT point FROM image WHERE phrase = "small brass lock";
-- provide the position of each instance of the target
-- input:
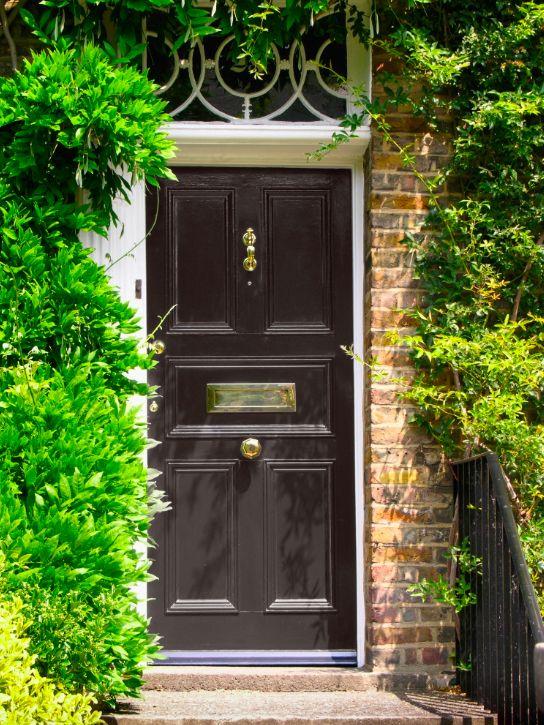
(154, 407)
(251, 448)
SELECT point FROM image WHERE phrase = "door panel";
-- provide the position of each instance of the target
(299, 238)
(255, 555)
(187, 380)
(299, 575)
(202, 274)
(200, 545)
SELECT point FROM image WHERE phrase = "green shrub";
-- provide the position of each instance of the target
(71, 123)
(75, 500)
(27, 698)
(73, 506)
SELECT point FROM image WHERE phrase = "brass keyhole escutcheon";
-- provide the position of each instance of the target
(251, 448)
(249, 239)
(154, 407)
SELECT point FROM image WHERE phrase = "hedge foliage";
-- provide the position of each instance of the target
(75, 499)
(473, 73)
(27, 698)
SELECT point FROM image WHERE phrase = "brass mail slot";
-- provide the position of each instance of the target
(251, 398)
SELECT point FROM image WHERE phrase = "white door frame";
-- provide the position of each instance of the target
(273, 145)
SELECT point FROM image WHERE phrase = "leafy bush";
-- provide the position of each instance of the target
(73, 504)
(75, 500)
(476, 70)
(27, 698)
(458, 594)
(69, 124)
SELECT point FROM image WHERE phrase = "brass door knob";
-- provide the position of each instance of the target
(251, 448)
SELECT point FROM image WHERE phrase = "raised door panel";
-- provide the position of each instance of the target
(201, 537)
(298, 536)
(202, 275)
(299, 259)
(187, 382)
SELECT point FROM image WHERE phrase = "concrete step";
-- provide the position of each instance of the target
(253, 707)
(280, 679)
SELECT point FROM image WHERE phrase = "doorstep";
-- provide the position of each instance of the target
(293, 696)
(280, 679)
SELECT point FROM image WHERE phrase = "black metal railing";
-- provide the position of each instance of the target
(497, 635)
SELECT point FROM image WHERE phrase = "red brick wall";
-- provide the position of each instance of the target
(409, 497)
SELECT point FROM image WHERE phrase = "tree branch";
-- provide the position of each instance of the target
(7, 35)
(524, 278)
(14, 6)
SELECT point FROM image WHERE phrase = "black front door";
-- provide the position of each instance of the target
(256, 559)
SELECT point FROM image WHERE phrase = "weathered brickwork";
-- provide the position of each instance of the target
(409, 497)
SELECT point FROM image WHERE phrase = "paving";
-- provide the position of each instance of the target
(263, 696)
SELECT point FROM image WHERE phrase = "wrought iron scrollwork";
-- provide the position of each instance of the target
(304, 80)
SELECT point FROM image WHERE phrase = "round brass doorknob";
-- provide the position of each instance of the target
(251, 448)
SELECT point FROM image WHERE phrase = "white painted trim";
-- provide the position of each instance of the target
(225, 144)
(220, 144)
(358, 216)
(359, 61)
(122, 254)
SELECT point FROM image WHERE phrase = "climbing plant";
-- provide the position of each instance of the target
(480, 329)
(476, 72)
(120, 26)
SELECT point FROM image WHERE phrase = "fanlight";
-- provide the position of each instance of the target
(304, 82)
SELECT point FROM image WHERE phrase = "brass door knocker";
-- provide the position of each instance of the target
(249, 240)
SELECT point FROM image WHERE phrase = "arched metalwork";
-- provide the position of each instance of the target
(206, 82)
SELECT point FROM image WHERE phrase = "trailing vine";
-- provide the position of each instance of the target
(120, 26)
(479, 337)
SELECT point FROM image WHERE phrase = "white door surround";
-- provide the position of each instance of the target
(272, 145)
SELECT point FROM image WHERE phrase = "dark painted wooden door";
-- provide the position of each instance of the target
(255, 555)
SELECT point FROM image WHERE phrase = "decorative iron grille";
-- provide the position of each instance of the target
(304, 83)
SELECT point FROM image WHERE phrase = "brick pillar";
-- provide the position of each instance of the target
(409, 496)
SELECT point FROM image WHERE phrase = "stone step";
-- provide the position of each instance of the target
(251, 707)
(201, 695)
(280, 679)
